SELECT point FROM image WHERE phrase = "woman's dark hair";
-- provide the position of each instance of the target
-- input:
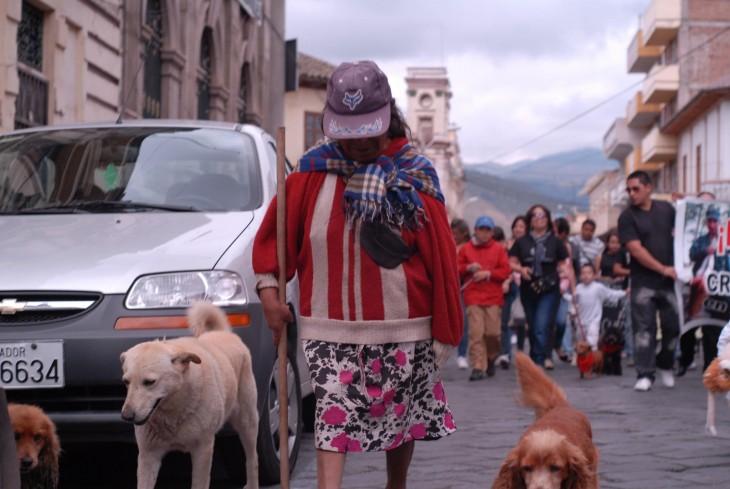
(516, 220)
(461, 225)
(398, 127)
(612, 233)
(528, 217)
(498, 234)
(562, 225)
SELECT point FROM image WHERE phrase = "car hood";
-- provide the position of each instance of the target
(107, 252)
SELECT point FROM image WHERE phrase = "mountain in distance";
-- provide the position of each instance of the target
(554, 180)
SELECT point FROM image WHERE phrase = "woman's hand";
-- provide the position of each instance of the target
(277, 313)
(526, 273)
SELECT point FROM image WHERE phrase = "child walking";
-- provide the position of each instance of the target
(590, 296)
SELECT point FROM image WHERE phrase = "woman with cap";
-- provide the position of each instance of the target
(380, 311)
(539, 258)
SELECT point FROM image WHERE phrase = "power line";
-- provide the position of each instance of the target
(604, 102)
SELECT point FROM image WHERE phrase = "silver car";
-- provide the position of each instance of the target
(108, 232)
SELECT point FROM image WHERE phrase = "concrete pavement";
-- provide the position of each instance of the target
(647, 440)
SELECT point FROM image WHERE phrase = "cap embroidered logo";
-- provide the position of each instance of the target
(352, 100)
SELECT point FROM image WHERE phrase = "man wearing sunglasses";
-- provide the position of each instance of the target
(646, 228)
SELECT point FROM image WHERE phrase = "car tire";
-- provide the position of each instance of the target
(267, 444)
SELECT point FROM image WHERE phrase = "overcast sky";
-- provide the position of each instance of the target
(517, 68)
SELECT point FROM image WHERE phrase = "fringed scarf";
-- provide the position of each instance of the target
(385, 190)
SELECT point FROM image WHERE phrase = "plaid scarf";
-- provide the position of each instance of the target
(385, 190)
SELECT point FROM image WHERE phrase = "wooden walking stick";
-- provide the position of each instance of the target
(282, 347)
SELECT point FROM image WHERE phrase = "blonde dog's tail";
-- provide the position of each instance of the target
(204, 316)
(539, 391)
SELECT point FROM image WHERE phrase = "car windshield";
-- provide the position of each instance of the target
(128, 169)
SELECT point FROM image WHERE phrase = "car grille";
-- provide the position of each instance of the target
(72, 399)
(39, 308)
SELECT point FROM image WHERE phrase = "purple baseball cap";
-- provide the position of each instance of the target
(358, 102)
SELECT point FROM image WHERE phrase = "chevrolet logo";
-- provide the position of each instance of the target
(11, 306)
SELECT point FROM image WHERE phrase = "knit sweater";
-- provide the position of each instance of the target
(345, 297)
(492, 257)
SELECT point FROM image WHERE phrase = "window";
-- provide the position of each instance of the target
(312, 129)
(425, 130)
(31, 105)
(244, 90)
(698, 178)
(205, 74)
(153, 62)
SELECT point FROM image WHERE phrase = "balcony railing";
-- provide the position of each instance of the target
(658, 148)
(618, 141)
(639, 114)
(660, 22)
(641, 58)
(31, 105)
(662, 84)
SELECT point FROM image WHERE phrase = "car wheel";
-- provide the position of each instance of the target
(268, 440)
(231, 451)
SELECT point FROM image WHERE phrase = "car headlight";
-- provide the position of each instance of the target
(182, 289)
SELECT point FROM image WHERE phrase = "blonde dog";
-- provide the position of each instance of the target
(180, 392)
(717, 380)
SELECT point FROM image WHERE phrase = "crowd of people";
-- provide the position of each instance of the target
(386, 294)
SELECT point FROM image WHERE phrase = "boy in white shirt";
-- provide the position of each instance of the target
(590, 296)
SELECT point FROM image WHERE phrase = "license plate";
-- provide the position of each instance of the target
(31, 365)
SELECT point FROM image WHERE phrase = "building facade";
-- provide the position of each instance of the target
(602, 207)
(303, 106)
(676, 128)
(66, 61)
(428, 116)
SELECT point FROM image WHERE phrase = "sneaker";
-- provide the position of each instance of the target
(549, 364)
(477, 375)
(462, 362)
(503, 361)
(667, 377)
(643, 384)
(491, 370)
(681, 370)
(574, 361)
(693, 365)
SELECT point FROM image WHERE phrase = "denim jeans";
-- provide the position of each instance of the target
(464, 343)
(645, 302)
(540, 313)
(505, 347)
(561, 327)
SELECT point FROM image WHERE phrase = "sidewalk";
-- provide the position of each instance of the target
(647, 440)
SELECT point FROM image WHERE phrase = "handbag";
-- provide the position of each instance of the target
(542, 285)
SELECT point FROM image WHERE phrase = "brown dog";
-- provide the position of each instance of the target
(557, 450)
(37, 444)
(589, 361)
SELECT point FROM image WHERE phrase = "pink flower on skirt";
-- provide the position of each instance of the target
(343, 443)
(449, 421)
(388, 397)
(399, 409)
(377, 366)
(340, 442)
(377, 410)
(438, 392)
(418, 431)
(346, 377)
(374, 391)
(334, 416)
(400, 358)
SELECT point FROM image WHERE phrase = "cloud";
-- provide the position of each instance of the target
(517, 68)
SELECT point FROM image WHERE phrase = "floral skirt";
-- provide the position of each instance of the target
(376, 397)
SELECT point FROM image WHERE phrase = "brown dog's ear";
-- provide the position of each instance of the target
(579, 473)
(510, 476)
(184, 358)
(49, 455)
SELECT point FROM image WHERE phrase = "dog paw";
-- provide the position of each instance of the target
(710, 431)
